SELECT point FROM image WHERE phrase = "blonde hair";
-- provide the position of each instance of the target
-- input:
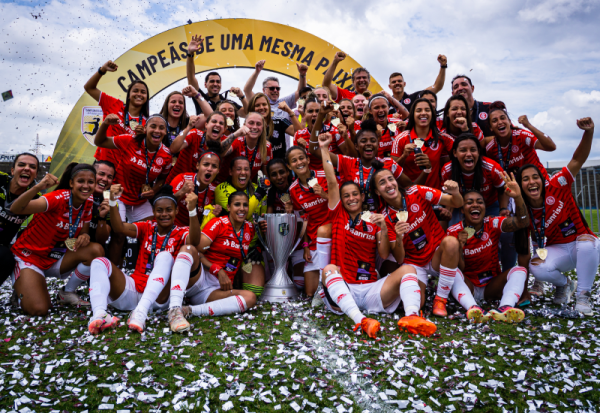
(268, 119)
(262, 140)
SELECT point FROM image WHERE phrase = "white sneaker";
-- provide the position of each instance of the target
(584, 304)
(563, 294)
(537, 288)
(137, 321)
(71, 298)
(177, 320)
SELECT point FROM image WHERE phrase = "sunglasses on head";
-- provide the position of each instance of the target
(272, 88)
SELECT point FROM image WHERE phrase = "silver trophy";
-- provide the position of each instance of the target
(282, 231)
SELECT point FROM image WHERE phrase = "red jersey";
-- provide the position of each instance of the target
(564, 221)
(522, 152)
(481, 251)
(239, 149)
(304, 199)
(205, 197)
(492, 179)
(476, 131)
(353, 247)
(344, 94)
(386, 141)
(187, 159)
(425, 233)
(111, 105)
(434, 151)
(225, 248)
(145, 233)
(314, 162)
(43, 241)
(131, 172)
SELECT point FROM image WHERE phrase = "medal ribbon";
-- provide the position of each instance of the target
(395, 218)
(477, 234)
(253, 155)
(149, 165)
(539, 235)
(504, 163)
(138, 120)
(196, 189)
(240, 239)
(362, 183)
(73, 228)
(312, 175)
(353, 222)
(150, 264)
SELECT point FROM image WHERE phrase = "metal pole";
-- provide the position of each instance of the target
(587, 175)
(597, 208)
(582, 194)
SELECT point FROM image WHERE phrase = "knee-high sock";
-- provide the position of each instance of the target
(410, 293)
(180, 277)
(157, 280)
(515, 282)
(339, 292)
(79, 276)
(256, 289)
(546, 271)
(445, 282)
(461, 292)
(230, 305)
(101, 270)
(587, 264)
(323, 252)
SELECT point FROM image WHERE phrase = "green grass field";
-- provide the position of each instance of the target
(291, 358)
(594, 217)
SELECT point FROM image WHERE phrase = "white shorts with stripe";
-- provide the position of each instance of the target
(367, 298)
(52, 272)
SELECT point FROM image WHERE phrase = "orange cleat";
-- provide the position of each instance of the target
(439, 306)
(369, 326)
(417, 325)
(98, 325)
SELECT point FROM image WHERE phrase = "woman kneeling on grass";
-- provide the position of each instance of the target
(161, 241)
(223, 249)
(350, 283)
(479, 238)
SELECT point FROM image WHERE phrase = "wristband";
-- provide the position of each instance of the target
(242, 98)
(100, 71)
(427, 171)
(112, 203)
(305, 244)
(444, 66)
(214, 269)
(198, 96)
(193, 212)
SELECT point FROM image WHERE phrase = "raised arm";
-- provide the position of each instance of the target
(328, 79)
(190, 66)
(295, 126)
(101, 139)
(347, 132)
(91, 86)
(179, 143)
(191, 200)
(314, 144)
(241, 112)
(26, 205)
(585, 146)
(252, 79)
(118, 226)
(400, 108)
(521, 218)
(544, 142)
(302, 69)
(441, 77)
(332, 184)
(452, 197)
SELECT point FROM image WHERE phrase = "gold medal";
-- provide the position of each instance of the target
(247, 267)
(542, 253)
(133, 124)
(470, 232)
(392, 127)
(285, 198)
(229, 122)
(70, 243)
(301, 102)
(402, 216)
(146, 188)
(419, 143)
(335, 122)
(366, 216)
(106, 194)
(312, 182)
(336, 106)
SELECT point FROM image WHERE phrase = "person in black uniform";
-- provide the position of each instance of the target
(22, 177)
(462, 85)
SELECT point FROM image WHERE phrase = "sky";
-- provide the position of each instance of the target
(540, 57)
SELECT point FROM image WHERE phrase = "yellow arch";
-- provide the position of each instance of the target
(160, 61)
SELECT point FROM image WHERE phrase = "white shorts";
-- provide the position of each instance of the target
(52, 272)
(424, 272)
(206, 284)
(314, 265)
(135, 213)
(297, 257)
(367, 298)
(130, 298)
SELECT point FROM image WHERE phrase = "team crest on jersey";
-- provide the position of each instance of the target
(247, 236)
(369, 228)
(485, 236)
(406, 101)
(527, 141)
(159, 161)
(550, 200)
(284, 228)
(428, 196)
(483, 116)
(26, 252)
(562, 180)
(495, 223)
(171, 241)
(414, 208)
(515, 149)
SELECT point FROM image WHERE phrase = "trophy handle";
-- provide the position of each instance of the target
(262, 240)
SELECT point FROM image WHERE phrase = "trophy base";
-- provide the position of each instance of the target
(279, 294)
